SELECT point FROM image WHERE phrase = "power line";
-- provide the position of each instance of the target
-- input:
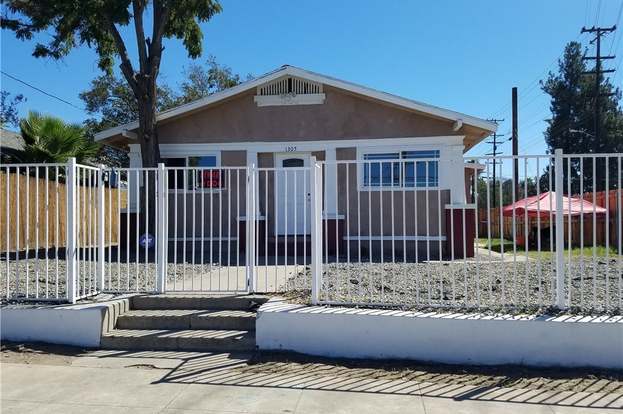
(598, 72)
(494, 152)
(559, 129)
(599, 31)
(51, 95)
(617, 39)
(527, 90)
(503, 109)
(598, 12)
(541, 119)
(617, 36)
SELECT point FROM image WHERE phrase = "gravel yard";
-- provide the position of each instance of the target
(522, 286)
(124, 278)
(491, 285)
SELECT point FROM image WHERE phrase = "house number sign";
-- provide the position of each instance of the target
(291, 148)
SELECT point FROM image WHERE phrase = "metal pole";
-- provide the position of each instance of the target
(515, 138)
(250, 228)
(71, 230)
(101, 249)
(560, 270)
(315, 186)
(161, 231)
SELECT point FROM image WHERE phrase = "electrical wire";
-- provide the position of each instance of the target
(51, 95)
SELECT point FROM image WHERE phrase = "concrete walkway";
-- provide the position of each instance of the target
(486, 254)
(173, 382)
(270, 278)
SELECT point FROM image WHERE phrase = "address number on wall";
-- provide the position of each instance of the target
(291, 149)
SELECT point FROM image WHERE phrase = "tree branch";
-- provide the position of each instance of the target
(161, 16)
(126, 64)
(138, 7)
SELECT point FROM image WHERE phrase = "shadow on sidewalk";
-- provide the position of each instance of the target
(587, 388)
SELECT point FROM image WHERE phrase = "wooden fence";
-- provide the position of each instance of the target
(600, 200)
(45, 213)
(602, 227)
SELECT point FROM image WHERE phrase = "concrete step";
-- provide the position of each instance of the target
(179, 339)
(197, 302)
(187, 319)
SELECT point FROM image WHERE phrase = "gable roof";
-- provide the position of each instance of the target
(10, 139)
(286, 70)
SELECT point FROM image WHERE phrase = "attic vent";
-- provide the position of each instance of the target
(289, 85)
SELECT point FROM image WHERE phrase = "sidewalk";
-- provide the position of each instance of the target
(170, 382)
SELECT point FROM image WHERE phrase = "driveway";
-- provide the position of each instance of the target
(70, 381)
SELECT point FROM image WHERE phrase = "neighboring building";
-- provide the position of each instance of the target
(285, 117)
(11, 144)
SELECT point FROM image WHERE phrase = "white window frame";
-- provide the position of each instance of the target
(363, 151)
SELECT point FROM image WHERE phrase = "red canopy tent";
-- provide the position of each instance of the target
(545, 203)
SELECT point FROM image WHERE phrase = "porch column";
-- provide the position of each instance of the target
(330, 183)
(452, 173)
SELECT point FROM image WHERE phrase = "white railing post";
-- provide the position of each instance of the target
(315, 186)
(161, 230)
(70, 248)
(251, 227)
(560, 235)
(101, 249)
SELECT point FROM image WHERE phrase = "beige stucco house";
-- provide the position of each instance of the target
(287, 116)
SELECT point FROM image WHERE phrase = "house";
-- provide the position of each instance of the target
(11, 145)
(282, 119)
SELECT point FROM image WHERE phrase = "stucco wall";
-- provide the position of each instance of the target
(341, 116)
(203, 205)
(79, 325)
(371, 210)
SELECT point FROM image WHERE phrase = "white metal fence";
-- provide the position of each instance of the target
(51, 225)
(405, 243)
(377, 231)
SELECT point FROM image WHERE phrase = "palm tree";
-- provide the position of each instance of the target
(48, 139)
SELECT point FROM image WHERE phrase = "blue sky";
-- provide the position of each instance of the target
(461, 55)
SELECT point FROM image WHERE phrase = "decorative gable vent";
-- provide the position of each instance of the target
(289, 90)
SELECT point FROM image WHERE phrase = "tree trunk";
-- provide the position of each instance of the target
(147, 131)
(150, 155)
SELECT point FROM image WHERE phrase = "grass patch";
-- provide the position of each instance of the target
(576, 252)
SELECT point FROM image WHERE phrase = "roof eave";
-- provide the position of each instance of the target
(294, 71)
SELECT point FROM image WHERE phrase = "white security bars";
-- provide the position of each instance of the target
(51, 225)
(548, 236)
(132, 229)
(283, 226)
(384, 230)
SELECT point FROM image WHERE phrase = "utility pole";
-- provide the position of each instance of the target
(515, 139)
(598, 73)
(494, 152)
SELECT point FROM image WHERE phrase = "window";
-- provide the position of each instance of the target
(421, 173)
(391, 170)
(203, 177)
(293, 163)
(379, 173)
(204, 161)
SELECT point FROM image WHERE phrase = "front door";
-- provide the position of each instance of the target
(292, 195)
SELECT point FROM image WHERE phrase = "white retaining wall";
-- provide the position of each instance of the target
(568, 341)
(79, 325)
